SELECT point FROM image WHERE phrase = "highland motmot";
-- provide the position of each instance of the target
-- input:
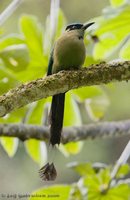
(68, 53)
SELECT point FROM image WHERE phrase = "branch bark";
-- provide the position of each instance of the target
(63, 81)
(69, 134)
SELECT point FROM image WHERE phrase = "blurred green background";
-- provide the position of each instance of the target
(19, 174)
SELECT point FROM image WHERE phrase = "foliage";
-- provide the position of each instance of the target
(24, 57)
(113, 33)
(93, 184)
(58, 191)
(28, 53)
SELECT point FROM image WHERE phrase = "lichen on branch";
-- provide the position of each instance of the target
(63, 81)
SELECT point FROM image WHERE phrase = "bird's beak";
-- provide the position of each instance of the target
(85, 26)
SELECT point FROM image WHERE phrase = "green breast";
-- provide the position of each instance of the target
(69, 53)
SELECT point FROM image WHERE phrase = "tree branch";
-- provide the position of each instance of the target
(122, 160)
(63, 81)
(9, 10)
(69, 134)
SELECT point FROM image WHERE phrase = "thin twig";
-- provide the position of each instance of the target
(9, 10)
(122, 160)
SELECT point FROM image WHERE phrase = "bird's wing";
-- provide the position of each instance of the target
(50, 63)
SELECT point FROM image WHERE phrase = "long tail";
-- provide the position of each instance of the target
(56, 118)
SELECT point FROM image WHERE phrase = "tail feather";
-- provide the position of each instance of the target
(56, 118)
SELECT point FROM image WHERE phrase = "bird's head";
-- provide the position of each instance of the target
(78, 27)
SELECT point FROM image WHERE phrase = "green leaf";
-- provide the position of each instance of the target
(15, 116)
(112, 32)
(108, 45)
(32, 73)
(88, 92)
(71, 148)
(89, 60)
(61, 23)
(98, 187)
(123, 171)
(10, 145)
(60, 192)
(33, 33)
(71, 117)
(34, 41)
(96, 184)
(10, 40)
(104, 175)
(36, 112)
(75, 193)
(119, 192)
(92, 183)
(115, 23)
(36, 150)
(15, 57)
(84, 169)
(98, 180)
(71, 114)
(47, 38)
(7, 80)
(96, 100)
(125, 51)
(116, 3)
(97, 107)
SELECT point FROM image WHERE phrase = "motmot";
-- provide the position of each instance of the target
(68, 53)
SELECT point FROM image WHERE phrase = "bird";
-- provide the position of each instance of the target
(68, 53)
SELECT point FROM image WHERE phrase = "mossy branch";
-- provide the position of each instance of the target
(63, 81)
